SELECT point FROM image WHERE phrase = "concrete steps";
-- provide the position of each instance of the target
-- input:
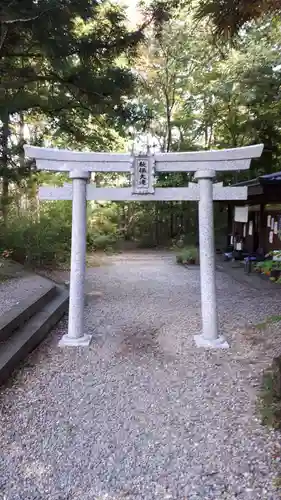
(25, 325)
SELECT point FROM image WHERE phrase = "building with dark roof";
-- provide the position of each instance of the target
(258, 226)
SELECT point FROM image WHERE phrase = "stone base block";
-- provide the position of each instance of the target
(219, 343)
(67, 341)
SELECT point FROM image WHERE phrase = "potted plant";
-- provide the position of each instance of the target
(275, 270)
(267, 268)
(258, 267)
(264, 267)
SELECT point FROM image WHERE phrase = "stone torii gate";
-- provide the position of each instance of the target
(143, 169)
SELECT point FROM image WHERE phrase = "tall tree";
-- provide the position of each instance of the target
(165, 67)
(63, 59)
(225, 96)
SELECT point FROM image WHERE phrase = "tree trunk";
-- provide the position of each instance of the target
(32, 189)
(169, 131)
(4, 167)
(171, 220)
(21, 139)
(169, 108)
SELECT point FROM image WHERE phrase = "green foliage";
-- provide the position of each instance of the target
(45, 239)
(68, 82)
(229, 16)
(65, 79)
(39, 240)
(103, 231)
(269, 321)
(202, 94)
(264, 266)
(187, 256)
(99, 241)
(63, 56)
(36, 242)
(267, 266)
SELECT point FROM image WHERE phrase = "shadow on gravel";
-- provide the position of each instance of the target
(140, 341)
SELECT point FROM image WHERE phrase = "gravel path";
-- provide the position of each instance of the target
(142, 413)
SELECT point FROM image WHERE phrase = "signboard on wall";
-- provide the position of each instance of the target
(279, 227)
(251, 228)
(241, 214)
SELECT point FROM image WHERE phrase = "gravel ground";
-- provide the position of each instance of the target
(14, 290)
(142, 413)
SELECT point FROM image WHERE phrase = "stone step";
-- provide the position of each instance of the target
(22, 312)
(29, 335)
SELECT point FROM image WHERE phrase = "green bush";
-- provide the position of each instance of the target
(187, 256)
(103, 232)
(265, 266)
(98, 241)
(37, 242)
(45, 238)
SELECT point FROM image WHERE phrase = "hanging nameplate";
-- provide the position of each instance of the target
(143, 175)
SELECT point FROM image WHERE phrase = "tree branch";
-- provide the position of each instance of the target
(3, 36)
(25, 20)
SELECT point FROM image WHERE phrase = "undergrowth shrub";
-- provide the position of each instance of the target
(187, 256)
(44, 238)
(38, 240)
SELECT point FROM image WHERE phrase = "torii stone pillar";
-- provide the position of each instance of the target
(209, 336)
(205, 164)
(78, 262)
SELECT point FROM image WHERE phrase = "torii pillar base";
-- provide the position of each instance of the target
(67, 341)
(218, 343)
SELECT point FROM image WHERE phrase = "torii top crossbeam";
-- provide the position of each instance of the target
(218, 160)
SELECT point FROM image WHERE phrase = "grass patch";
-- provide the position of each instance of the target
(269, 398)
(268, 321)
